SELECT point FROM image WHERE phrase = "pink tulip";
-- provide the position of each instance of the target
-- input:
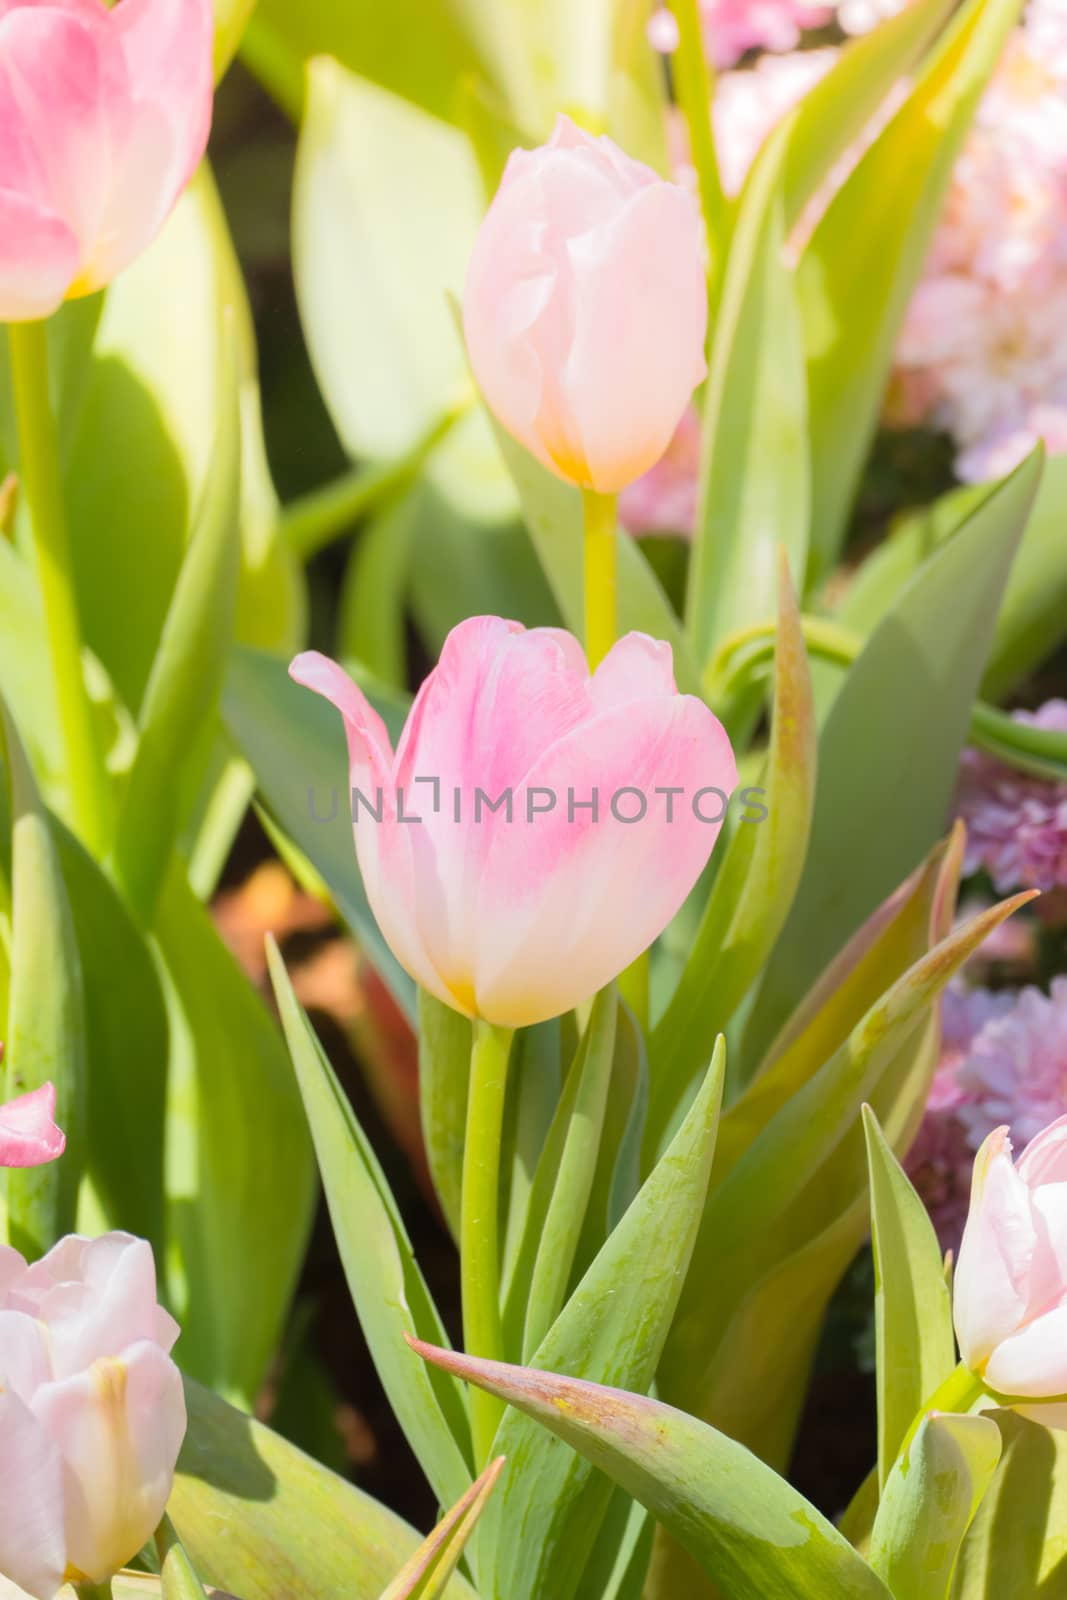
(1011, 1282)
(28, 1134)
(92, 1411)
(517, 914)
(585, 308)
(103, 117)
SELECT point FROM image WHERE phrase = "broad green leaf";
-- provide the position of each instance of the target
(835, 112)
(127, 1048)
(562, 1185)
(545, 55)
(371, 621)
(754, 490)
(618, 1170)
(793, 1177)
(44, 1033)
(425, 1574)
(25, 668)
(230, 19)
(295, 745)
(140, 1586)
(753, 888)
(637, 110)
(386, 204)
(859, 269)
(618, 1566)
(444, 1073)
(1031, 623)
(240, 1171)
(889, 751)
(417, 49)
(611, 1330)
(552, 511)
(187, 671)
(912, 1307)
(388, 1290)
(177, 1579)
(535, 1079)
(929, 1501)
(749, 1529)
(262, 1519)
(1017, 1543)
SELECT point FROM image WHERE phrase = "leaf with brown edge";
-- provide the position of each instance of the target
(425, 1573)
(750, 1530)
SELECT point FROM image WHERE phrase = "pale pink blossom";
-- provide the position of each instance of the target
(518, 913)
(92, 1411)
(103, 116)
(1016, 824)
(28, 1133)
(585, 308)
(749, 104)
(664, 499)
(1010, 1284)
(733, 27)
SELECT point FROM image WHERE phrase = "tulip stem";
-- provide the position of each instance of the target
(93, 1591)
(42, 481)
(479, 1220)
(600, 582)
(693, 90)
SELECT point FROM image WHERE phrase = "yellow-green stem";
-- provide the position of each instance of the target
(600, 582)
(93, 1591)
(479, 1220)
(957, 1395)
(42, 483)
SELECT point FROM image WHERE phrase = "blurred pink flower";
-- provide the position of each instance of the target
(750, 103)
(585, 308)
(28, 1133)
(1016, 825)
(517, 909)
(664, 499)
(731, 27)
(104, 114)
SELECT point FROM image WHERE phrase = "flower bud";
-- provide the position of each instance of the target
(585, 308)
(28, 1133)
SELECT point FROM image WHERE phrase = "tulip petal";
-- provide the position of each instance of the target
(38, 259)
(118, 1428)
(637, 350)
(569, 899)
(990, 1284)
(1032, 1362)
(28, 1134)
(97, 1295)
(168, 48)
(1045, 1158)
(32, 1544)
(24, 1355)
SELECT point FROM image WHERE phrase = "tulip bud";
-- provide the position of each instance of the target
(28, 1133)
(585, 308)
(537, 827)
(1010, 1291)
(104, 115)
(92, 1411)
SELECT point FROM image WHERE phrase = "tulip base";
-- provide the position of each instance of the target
(479, 1219)
(93, 1591)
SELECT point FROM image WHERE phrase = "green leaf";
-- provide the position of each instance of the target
(187, 672)
(753, 888)
(754, 490)
(178, 1581)
(612, 1329)
(230, 19)
(240, 1172)
(262, 1519)
(1017, 1543)
(386, 204)
(370, 626)
(834, 113)
(562, 1185)
(749, 1529)
(552, 511)
(425, 1574)
(417, 49)
(889, 751)
(859, 269)
(929, 1501)
(618, 1170)
(535, 1080)
(45, 1025)
(295, 745)
(444, 1073)
(388, 1290)
(637, 90)
(912, 1308)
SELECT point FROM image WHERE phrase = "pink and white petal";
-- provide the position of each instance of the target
(567, 901)
(370, 751)
(118, 1428)
(990, 1285)
(1033, 1361)
(638, 348)
(109, 1305)
(12, 1271)
(25, 1358)
(1047, 1285)
(139, 200)
(28, 1133)
(1045, 1158)
(33, 1552)
(168, 47)
(38, 259)
(1052, 1415)
(637, 667)
(64, 113)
